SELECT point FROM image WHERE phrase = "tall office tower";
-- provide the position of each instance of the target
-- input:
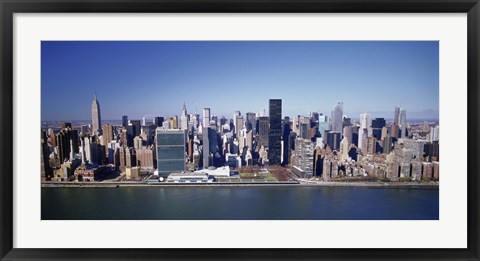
(130, 160)
(88, 152)
(362, 133)
(348, 134)
(125, 121)
(304, 152)
(251, 122)
(275, 131)
(249, 139)
(344, 145)
(130, 135)
(387, 144)
(384, 133)
(285, 134)
(303, 130)
(82, 151)
(263, 131)
(147, 132)
(63, 139)
(170, 151)
(209, 146)
(236, 114)
(124, 136)
(403, 123)
(377, 126)
(395, 131)
(193, 121)
(121, 157)
(355, 132)
(333, 140)
(239, 124)
(96, 119)
(369, 145)
(107, 133)
(396, 116)
(304, 126)
(144, 120)
(206, 117)
(295, 128)
(137, 126)
(336, 117)
(158, 121)
(365, 121)
(184, 118)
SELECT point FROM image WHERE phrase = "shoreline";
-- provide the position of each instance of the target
(243, 184)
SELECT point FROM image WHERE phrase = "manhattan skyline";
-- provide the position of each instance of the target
(155, 78)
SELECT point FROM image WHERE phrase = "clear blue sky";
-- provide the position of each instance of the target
(139, 78)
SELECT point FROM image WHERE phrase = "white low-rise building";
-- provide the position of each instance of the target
(190, 177)
(216, 172)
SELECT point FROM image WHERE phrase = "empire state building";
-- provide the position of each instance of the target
(96, 120)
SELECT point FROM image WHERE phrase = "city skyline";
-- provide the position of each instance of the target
(71, 63)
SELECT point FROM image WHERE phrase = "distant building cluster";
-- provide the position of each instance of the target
(370, 147)
(206, 145)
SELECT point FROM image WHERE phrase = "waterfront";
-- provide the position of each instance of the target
(240, 203)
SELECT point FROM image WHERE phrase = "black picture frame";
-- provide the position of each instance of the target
(9, 8)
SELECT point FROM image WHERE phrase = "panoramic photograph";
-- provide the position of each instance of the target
(239, 130)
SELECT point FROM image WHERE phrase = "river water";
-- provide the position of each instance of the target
(240, 203)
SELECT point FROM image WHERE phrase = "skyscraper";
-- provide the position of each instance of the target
(137, 127)
(336, 117)
(206, 117)
(333, 140)
(396, 116)
(365, 121)
(184, 118)
(403, 123)
(285, 134)
(377, 126)
(96, 119)
(170, 150)
(107, 133)
(239, 122)
(263, 131)
(251, 122)
(275, 131)
(125, 121)
(236, 114)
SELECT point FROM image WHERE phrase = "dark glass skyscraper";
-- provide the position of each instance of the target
(158, 121)
(170, 151)
(137, 125)
(377, 125)
(263, 131)
(125, 121)
(285, 135)
(275, 131)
